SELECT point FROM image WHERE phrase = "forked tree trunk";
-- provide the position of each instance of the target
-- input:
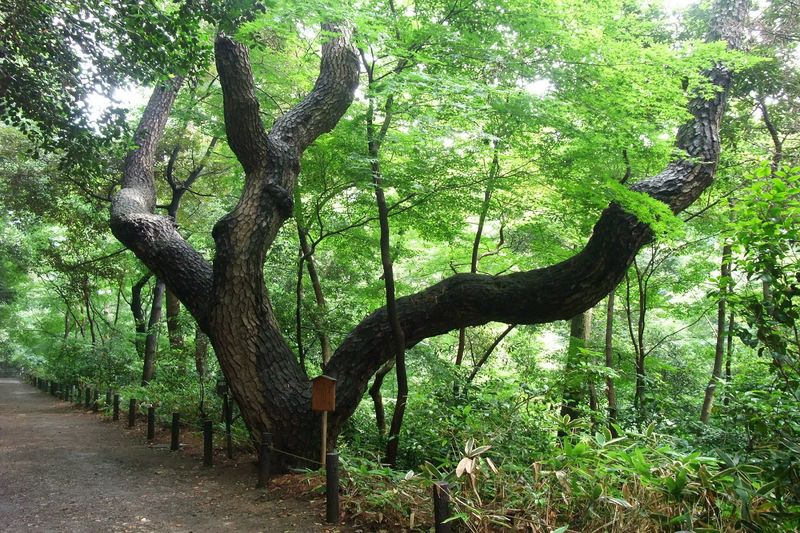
(228, 298)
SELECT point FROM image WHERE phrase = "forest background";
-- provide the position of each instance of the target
(483, 138)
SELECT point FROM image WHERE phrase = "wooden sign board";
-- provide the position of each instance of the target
(323, 394)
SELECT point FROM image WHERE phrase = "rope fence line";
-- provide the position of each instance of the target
(306, 459)
(441, 490)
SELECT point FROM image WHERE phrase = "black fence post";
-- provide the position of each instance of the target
(96, 401)
(108, 401)
(264, 460)
(115, 416)
(208, 443)
(151, 423)
(87, 397)
(131, 413)
(332, 487)
(441, 506)
(176, 430)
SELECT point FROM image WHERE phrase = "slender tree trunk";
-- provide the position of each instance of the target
(151, 340)
(319, 297)
(298, 312)
(611, 393)
(200, 358)
(637, 336)
(719, 349)
(399, 342)
(575, 381)
(486, 354)
(174, 330)
(462, 344)
(728, 358)
(476, 242)
(777, 142)
(137, 309)
(67, 324)
(117, 306)
(377, 397)
(88, 306)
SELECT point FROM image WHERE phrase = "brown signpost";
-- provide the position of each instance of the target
(323, 398)
(323, 394)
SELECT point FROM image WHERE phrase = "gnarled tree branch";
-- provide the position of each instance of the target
(153, 238)
(560, 291)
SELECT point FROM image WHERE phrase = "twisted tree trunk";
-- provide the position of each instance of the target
(228, 297)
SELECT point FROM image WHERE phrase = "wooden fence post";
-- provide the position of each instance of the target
(264, 460)
(332, 487)
(176, 429)
(131, 413)
(208, 443)
(116, 407)
(151, 423)
(441, 506)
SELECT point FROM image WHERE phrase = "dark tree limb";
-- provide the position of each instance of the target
(566, 289)
(153, 238)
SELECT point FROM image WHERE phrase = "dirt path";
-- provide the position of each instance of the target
(64, 469)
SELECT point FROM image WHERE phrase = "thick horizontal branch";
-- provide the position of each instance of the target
(557, 292)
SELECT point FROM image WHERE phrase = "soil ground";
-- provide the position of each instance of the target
(66, 469)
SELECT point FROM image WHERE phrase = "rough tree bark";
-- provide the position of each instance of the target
(228, 297)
